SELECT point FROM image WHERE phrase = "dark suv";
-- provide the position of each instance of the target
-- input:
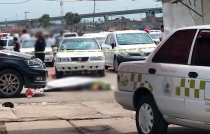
(18, 70)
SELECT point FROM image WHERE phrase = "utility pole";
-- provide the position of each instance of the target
(26, 15)
(61, 4)
(94, 11)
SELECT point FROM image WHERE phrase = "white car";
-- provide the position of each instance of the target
(99, 37)
(155, 37)
(85, 55)
(27, 47)
(172, 86)
(139, 42)
(8, 44)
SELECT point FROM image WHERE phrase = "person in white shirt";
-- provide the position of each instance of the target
(51, 40)
(24, 36)
(162, 35)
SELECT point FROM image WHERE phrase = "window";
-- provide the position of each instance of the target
(176, 49)
(112, 40)
(201, 56)
(10, 43)
(108, 39)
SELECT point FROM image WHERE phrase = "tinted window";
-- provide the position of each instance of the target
(201, 56)
(70, 35)
(176, 49)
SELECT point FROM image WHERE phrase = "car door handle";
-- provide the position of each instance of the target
(193, 74)
(152, 71)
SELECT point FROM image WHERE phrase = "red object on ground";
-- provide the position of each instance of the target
(146, 30)
(52, 74)
(29, 93)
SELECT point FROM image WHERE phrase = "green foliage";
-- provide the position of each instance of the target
(72, 18)
(44, 20)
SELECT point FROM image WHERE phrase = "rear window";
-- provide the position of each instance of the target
(70, 35)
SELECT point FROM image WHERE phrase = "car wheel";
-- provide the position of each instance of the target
(58, 74)
(51, 64)
(106, 67)
(115, 65)
(101, 72)
(11, 83)
(148, 118)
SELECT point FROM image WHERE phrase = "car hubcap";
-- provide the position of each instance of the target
(146, 118)
(115, 65)
(9, 84)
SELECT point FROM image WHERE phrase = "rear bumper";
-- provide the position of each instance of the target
(121, 59)
(125, 99)
(79, 66)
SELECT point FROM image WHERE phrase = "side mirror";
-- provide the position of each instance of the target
(113, 45)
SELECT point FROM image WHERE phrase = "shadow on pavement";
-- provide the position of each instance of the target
(186, 130)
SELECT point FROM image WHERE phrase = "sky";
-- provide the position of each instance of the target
(37, 8)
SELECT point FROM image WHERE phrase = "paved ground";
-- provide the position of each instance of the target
(67, 112)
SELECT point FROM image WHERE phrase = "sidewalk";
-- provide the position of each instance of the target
(89, 117)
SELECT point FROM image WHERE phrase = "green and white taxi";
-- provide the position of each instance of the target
(172, 86)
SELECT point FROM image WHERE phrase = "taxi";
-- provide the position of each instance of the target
(172, 85)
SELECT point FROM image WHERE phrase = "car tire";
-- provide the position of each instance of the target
(101, 72)
(11, 83)
(115, 65)
(51, 64)
(152, 118)
(58, 74)
(106, 67)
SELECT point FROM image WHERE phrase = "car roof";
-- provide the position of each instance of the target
(94, 35)
(80, 37)
(128, 31)
(70, 33)
(196, 27)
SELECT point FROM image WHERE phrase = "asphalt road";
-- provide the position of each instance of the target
(66, 96)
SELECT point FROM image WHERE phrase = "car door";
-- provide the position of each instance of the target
(167, 72)
(106, 47)
(198, 90)
(112, 46)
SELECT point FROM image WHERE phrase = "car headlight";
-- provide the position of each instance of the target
(96, 58)
(34, 64)
(124, 54)
(66, 59)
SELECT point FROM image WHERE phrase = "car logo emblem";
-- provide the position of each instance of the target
(80, 59)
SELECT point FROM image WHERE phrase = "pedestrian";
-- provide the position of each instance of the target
(52, 40)
(162, 34)
(2, 44)
(40, 46)
(16, 44)
(24, 36)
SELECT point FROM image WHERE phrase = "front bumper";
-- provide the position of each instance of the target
(35, 78)
(79, 66)
(48, 58)
(121, 59)
(125, 99)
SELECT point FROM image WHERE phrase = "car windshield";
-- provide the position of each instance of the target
(154, 36)
(100, 40)
(79, 44)
(30, 44)
(133, 38)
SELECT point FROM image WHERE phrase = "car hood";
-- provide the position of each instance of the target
(132, 66)
(14, 55)
(25, 50)
(146, 48)
(79, 54)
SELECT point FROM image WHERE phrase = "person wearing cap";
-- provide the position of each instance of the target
(2, 44)
(161, 35)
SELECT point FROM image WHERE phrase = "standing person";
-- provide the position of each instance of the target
(24, 36)
(52, 40)
(40, 46)
(2, 44)
(162, 35)
(16, 44)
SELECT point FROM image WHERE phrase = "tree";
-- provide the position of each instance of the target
(44, 20)
(72, 18)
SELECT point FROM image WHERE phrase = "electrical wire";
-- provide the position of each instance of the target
(191, 13)
(17, 2)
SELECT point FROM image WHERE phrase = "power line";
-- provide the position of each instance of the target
(17, 2)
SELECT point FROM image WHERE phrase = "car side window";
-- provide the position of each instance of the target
(177, 48)
(201, 50)
(108, 39)
(112, 40)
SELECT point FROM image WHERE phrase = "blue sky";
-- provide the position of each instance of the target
(37, 8)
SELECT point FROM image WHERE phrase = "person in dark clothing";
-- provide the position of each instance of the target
(16, 44)
(2, 44)
(40, 46)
